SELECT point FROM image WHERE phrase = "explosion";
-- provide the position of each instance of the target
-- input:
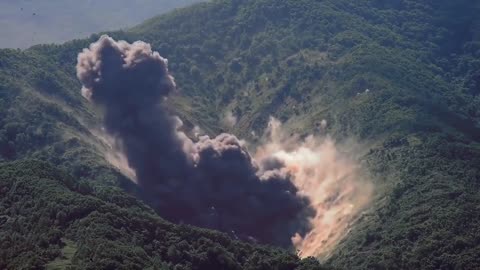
(292, 191)
(337, 188)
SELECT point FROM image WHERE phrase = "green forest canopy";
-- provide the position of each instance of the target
(301, 61)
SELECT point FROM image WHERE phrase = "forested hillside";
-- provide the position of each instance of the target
(51, 220)
(402, 77)
(73, 210)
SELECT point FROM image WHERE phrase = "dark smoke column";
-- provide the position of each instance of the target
(212, 183)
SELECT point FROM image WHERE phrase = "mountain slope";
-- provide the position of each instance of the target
(45, 212)
(399, 77)
(52, 219)
(402, 77)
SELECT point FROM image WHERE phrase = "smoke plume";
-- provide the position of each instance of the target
(229, 120)
(212, 182)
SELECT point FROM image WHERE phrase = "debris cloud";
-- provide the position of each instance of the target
(229, 120)
(295, 191)
(212, 182)
(335, 184)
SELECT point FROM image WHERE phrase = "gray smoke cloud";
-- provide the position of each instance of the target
(213, 183)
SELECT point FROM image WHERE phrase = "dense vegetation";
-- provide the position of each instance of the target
(403, 77)
(49, 219)
(82, 219)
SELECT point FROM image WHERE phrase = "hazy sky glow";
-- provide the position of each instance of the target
(28, 22)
